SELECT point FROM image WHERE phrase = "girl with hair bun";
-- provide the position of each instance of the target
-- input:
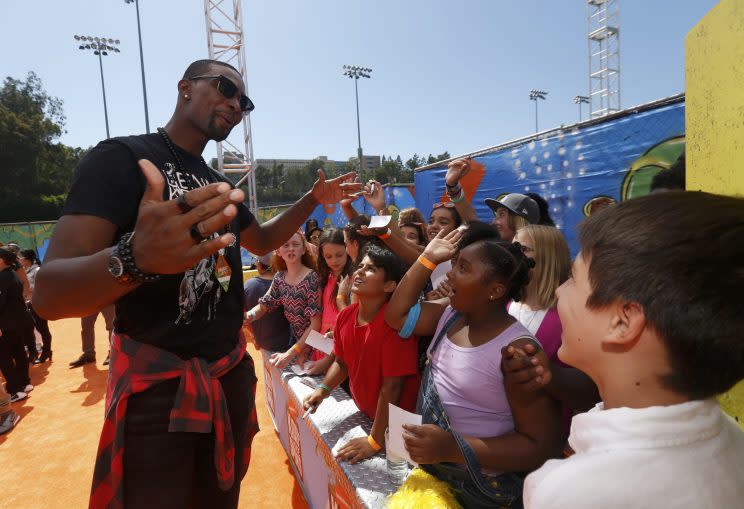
(476, 432)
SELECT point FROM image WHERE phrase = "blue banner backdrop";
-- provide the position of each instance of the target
(577, 169)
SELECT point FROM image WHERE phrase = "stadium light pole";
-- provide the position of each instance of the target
(536, 95)
(355, 72)
(581, 99)
(142, 63)
(101, 47)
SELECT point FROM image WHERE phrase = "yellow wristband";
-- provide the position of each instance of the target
(296, 348)
(373, 443)
(426, 263)
(386, 234)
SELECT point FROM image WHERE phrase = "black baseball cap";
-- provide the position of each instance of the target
(519, 204)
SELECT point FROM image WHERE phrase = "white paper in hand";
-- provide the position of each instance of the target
(397, 417)
(379, 221)
(320, 342)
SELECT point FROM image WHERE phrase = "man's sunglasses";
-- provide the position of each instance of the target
(229, 90)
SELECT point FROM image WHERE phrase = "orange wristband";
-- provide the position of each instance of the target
(373, 443)
(386, 234)
(296, 348)
(426, 263)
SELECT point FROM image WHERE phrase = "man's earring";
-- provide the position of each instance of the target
(186, 96)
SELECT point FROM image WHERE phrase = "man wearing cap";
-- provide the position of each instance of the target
(149, 226)
(271, 331)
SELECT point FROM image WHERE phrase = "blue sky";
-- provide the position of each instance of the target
(446, 75)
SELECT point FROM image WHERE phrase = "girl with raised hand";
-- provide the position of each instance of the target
(296, 288)
(477, 434)
(334, 268)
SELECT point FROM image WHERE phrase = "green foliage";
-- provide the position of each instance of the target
(278, 185)
(37, 170)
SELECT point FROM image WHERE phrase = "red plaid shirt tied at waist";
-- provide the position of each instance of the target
(199, 407)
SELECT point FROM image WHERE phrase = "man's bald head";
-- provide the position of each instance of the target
(205, 66)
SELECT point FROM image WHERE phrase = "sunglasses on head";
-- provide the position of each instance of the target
(228, 89)
(447, 204)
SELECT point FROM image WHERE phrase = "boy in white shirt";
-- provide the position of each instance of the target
(653, 314)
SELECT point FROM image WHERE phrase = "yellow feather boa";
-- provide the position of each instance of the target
(422, 490)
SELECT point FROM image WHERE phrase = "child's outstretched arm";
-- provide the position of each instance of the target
(359, 449)
(337, 373)
(256, 312)
(280, 360)
(406, 294)
(456, 170)
(374, 194)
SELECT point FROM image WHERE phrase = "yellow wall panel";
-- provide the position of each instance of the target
(714, 54)
(714, 116)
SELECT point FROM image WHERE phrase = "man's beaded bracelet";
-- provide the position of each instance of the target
(124, 251)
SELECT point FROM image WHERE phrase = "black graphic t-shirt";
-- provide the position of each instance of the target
(188, 314)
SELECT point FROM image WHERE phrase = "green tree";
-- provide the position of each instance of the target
(435, 159)
(414, 162)
(37, 169)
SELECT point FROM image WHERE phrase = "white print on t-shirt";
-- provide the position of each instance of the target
(179, 183)
(197, 282)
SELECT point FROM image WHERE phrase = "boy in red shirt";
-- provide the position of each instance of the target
(381, 366)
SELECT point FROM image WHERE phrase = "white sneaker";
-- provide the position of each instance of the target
(28, 388)
(18, 396)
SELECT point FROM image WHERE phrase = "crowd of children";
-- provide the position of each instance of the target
(499, 342)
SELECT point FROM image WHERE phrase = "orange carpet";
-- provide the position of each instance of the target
(47, 460)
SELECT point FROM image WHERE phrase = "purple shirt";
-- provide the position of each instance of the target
(470, 383)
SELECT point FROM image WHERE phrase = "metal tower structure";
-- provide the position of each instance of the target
(224, 20)
(603, 22)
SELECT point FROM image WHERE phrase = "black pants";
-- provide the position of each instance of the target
(13, 361)
(176, 470)
(28, 338)
(43, 327)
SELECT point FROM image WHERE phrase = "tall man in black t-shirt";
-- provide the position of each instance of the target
(177, 284)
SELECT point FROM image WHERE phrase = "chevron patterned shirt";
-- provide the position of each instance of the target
(300, 301)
